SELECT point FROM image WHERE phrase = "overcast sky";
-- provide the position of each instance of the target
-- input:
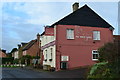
(21, 21)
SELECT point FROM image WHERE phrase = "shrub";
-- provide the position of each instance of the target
(16, 61)
(7, 60)
(109, 57)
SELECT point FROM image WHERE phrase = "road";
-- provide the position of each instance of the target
(28, 73)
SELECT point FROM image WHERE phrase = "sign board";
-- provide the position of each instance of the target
(64, 58)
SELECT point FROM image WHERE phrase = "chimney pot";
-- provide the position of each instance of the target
(75, 6)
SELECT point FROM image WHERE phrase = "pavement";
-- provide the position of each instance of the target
(29, 72)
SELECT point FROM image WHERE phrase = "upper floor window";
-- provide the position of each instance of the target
(95, 55)
(96, 35)
(70, 34)
(51, 52)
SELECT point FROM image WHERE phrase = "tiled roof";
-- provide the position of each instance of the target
(29, 44)
(84, 16)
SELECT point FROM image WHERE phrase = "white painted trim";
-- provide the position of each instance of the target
(53, 62)
(95, 53)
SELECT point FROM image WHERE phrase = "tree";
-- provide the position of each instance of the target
(109, 52)
(108, 68)
(26, 59)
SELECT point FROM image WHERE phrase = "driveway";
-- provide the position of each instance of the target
(28, 73)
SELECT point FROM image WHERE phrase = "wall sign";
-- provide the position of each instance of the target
(84, 37)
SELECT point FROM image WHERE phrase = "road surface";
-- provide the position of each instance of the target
(28, 73)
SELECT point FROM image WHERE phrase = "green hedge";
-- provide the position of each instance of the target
(7, 60)
(16, 61)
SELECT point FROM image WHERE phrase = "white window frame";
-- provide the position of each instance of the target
(95, 53)
(70, 33)
(96, 35)
(63, 58)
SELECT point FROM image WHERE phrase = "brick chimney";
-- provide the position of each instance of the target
(75, 6)
(38, 37)
(38, 43)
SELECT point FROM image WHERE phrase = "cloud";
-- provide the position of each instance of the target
(42, 12)
(21, 21)
(23, 33)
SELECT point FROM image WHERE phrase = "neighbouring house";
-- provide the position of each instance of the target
(15, 54)
(3, 53)
(32, 48)
(73, 41)
(20, 48)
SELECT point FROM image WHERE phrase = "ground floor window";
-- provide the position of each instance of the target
(64, 65)
(95, 55)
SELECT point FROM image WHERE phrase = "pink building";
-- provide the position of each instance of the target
(74, 40)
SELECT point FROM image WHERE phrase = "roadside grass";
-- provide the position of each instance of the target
(9, 66)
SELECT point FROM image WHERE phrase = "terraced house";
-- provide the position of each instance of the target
(33, 47)
(73, 41)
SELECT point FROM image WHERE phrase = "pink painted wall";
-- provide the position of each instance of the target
(49, 31)
(79, 50)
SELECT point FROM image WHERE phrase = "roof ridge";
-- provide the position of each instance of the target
(74, 18)
(29, 44)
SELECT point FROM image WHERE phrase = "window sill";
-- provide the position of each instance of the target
(95, 60)
(96, 40)
(70, 39)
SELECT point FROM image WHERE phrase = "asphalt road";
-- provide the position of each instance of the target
(28, 73)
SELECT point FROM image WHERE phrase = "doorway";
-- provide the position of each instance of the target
(63, 65)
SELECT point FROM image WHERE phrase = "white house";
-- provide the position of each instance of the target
(15, 54)
(48, 47)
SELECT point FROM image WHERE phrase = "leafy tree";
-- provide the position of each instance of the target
(26, 59)
(109, 52)
(16, 61)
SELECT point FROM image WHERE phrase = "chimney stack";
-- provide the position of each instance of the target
(19, 46)
(38, 42)
(38, 37)
(75, 6)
